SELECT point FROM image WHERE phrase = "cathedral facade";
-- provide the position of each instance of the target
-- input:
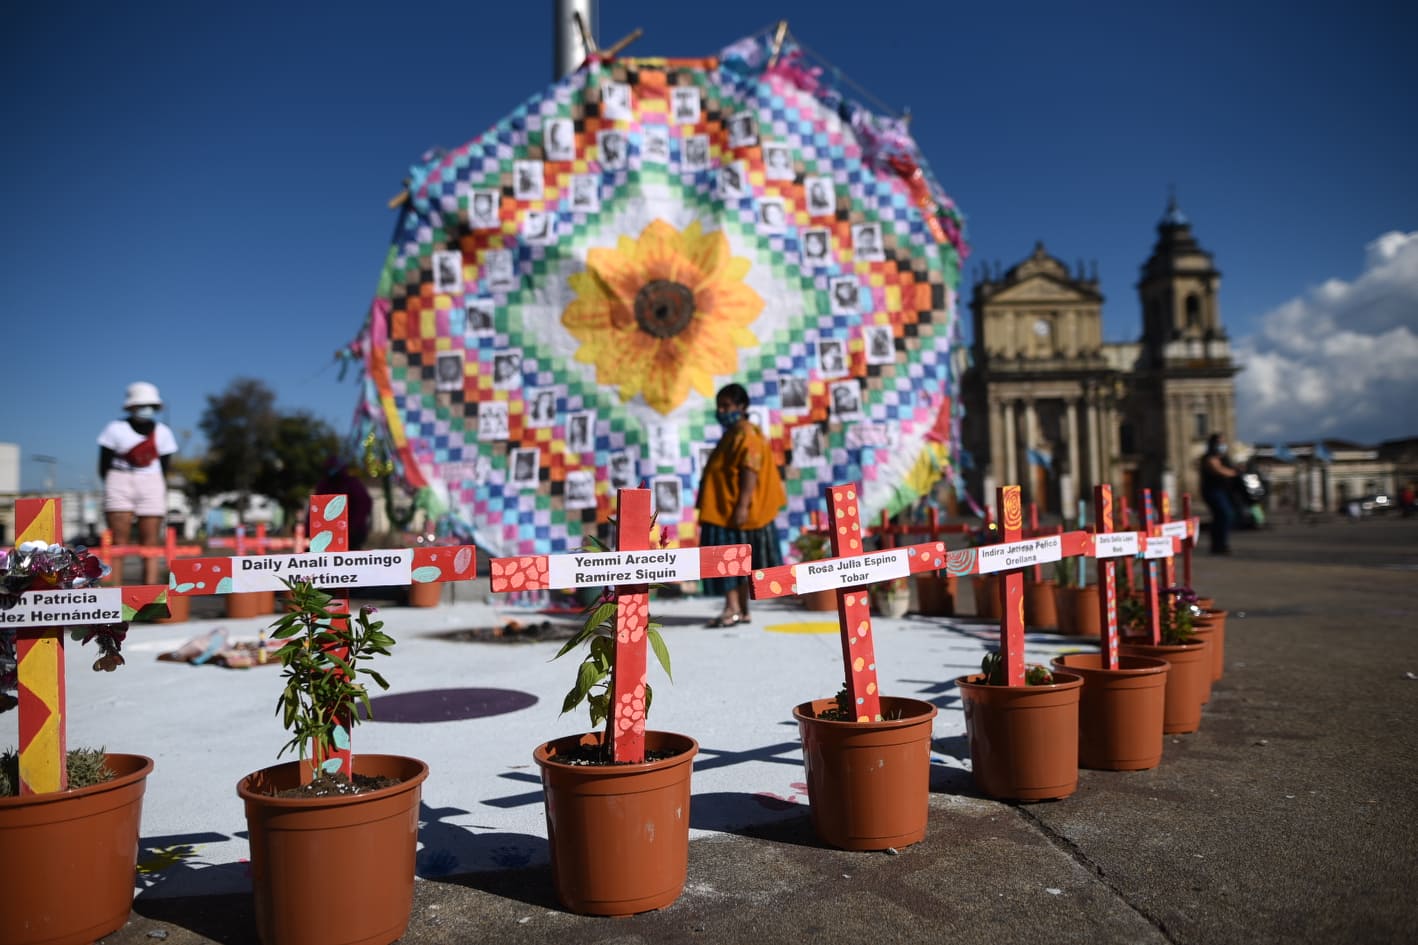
(1053, 407)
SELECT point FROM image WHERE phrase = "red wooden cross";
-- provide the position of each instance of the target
(331, 566)
(1109, 545)
(1190, 544)
(851, 571)
(39, 648)
(630, 569)
(1158, 547)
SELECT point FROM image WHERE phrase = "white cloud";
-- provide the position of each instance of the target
(1341, 361)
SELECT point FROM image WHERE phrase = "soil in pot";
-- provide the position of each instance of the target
(71, 858)
(1120, 711)
(1023, 739)
(618, 834)
(868, 782)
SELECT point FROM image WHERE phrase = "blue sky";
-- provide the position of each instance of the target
(194, 193)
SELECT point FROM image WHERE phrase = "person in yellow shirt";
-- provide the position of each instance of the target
(740, 496)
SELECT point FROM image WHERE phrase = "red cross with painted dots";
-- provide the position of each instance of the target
(625, 729)
(851, 571)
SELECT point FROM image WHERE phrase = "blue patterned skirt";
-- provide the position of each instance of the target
(766, 547)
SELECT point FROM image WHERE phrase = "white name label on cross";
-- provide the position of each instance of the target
(595, 568)
(1019, 554)
(63, 608)
(324, 569)
(1175, 529)
(1115, 544)
(1158, 548)
(868, 568)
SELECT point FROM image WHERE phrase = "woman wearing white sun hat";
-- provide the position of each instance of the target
(133, 458)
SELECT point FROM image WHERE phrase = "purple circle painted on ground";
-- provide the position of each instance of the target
(448, 705)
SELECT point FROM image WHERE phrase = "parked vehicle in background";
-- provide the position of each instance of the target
(1378, 504)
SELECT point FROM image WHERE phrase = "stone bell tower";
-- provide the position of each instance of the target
(1186, 386)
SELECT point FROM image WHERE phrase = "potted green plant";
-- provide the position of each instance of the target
(892, 597)
(1023, 739)
(868, 779)
(618, 831)
(866, 756)
(1021, 721)
(82, 835)
(308, 816)
(1189, 658)
(814, 546)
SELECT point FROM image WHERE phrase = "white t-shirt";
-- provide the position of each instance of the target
(120, 437)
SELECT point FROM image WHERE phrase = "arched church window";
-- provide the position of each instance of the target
(1193, 311)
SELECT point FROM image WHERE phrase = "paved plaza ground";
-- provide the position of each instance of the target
(1291, 816)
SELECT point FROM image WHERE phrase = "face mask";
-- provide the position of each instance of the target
(145, 412)
(728, 418)
(1221, 449)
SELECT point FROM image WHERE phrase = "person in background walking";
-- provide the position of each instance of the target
(133, 458)
(740, 494)
(1216, 484)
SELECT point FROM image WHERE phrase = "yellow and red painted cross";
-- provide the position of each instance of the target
(39, 648)
(630, 569)
(331, 566)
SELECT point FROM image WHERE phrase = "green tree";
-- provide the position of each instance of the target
(303, 447)
(240, 427)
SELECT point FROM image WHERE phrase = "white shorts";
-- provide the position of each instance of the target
(141, 493)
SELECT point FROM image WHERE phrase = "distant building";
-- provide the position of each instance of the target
(1051, 406)
(1327, 475)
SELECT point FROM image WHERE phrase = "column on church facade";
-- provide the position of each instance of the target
(1008, 476)
(1071, 431)
(1031, 442)
(1095, 466)
(994, 463)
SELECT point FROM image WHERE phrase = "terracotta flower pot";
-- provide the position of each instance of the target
(819, 600)
(868, 783)
(1207, 635)
(935, 594)
(986, 587)
(1187, 680)
(250, 604)
(425, 595)
(1063, 608)
(1023, 739)
(373, 835)
(1086, 621)
(887, 602)
(1216, 620)
(179, 608)
(71, 858)
(1120, 710)
(1039, 610)
(619, 834)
